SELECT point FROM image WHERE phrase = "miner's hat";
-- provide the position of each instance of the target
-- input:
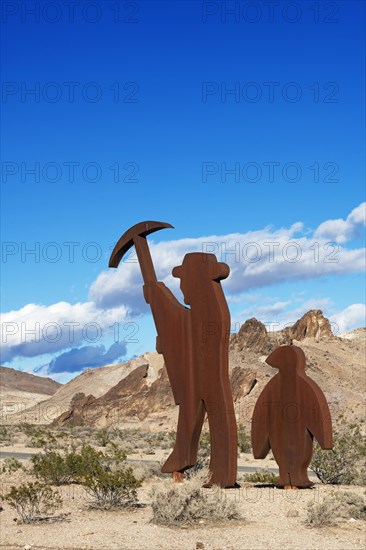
(197, 263)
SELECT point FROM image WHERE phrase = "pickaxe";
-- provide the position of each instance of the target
(136, 236)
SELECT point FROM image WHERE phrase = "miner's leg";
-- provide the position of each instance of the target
(190, 420)
(224, 440)
(196, 432)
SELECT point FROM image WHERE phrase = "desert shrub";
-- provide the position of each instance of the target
(334, 508)
(145, 470)
(345, 463)
(205, 441)
(187, 503)
(150, 441)
(43, 439)
(51, 467)
(108, 479)
(103, 437)
(81, 434)
(111, 489)
(32, 499)
(203, 455)
(11, 465)
(260, 477)
(38, 436)
(58, 469)
(168, 440)
(5, 436)
(244, 440)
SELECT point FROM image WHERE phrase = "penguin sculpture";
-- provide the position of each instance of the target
(289, 413)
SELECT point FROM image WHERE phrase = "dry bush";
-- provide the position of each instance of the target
(187, 503)
(203, 456)
(5, 436)
(38, 436)
(136, 440)
(260, 477)
(144, 470)
(335, 508)
(59, 469)
(244, 440)
(345, 463)
(31, 500)
(11, 465)
(103, 437)
(111, 489)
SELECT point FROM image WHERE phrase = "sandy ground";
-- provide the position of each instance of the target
(266, 525)
(272, 518)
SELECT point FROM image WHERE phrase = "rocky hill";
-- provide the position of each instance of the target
(138, 392)
(96, 382)
(12, 379)
(21, 390)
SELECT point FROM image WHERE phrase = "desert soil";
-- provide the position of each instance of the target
(272, 518)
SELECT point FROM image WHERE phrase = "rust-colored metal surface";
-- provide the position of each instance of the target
(289, 413)
(194, 342)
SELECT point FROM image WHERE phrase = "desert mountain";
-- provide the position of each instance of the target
(138, 392)
(13, 379)
(20, 390)
(94, 382)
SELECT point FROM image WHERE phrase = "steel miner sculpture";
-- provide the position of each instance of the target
(289, 413)
(194, 342)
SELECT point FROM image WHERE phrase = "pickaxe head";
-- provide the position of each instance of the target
(127, 240)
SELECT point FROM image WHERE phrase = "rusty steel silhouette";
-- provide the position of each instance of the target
(194, 342)
(289, 413)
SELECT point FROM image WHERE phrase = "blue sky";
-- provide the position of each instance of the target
(235, 122)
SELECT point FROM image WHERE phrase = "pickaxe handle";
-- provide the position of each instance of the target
(144, 257)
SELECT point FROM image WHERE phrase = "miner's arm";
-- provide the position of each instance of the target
(167, 311)
(174, 339)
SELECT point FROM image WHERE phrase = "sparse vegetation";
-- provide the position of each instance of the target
(203, 455)
(143, 470)
(188, 503)
(57, 469)
(32, 500)
(244, 441)
(104, 475)
(38, 436)
(108, 479)
(345, 463)
(103, 437)
(5, 436)
(111, 489)
(335, 508)
(260, 477)
(132, 440)
(11, 465)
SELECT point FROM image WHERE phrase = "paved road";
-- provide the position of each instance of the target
(19, 456)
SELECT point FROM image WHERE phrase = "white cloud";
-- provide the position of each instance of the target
(340, 230)
(351, 317)
(257, 259)
(37, 329)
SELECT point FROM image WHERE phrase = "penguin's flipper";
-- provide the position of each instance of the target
(315, 411)
(261, 423)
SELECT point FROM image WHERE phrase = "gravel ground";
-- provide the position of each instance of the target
(273, 519)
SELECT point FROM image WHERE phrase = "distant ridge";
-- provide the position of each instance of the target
(12, 379)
